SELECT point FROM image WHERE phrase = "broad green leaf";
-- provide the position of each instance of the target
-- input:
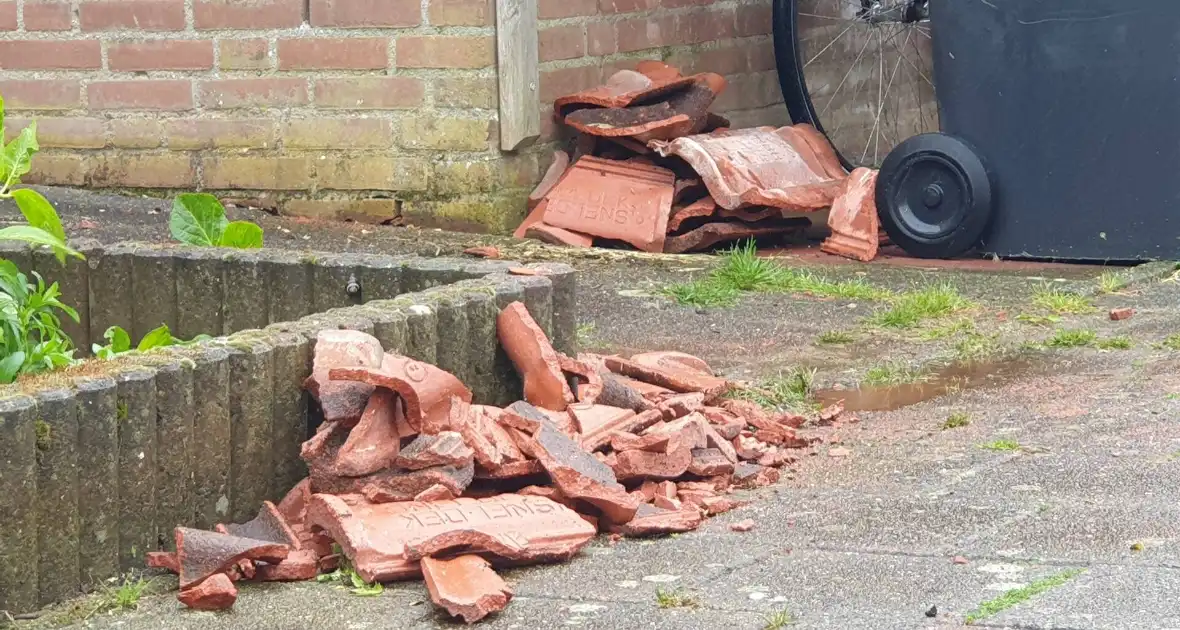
(39, 212)
(10, 366)
(197, 219)
(157, 338)
(118, 339)
(16, 159)
(242, 235)
(37, 236)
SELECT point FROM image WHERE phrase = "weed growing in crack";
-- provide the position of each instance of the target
(892, 374)
(1071, 338)
(949, 330)
(956, 420)
(1038, 320)
(789, 391)
(779, 619)
(1001, 445)
(835, 337)
(702, 294)
(909, 309)
(1120, 342)
(1060, 301)
(1172, 342)
(675, 598)
(1112, 281)
(743, 270)
(978, 347)
(1020, 595)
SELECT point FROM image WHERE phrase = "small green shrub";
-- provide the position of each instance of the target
(31, 338)
(199, 219)
(118, 341)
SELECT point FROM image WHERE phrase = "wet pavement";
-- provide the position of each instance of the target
(1067, 460)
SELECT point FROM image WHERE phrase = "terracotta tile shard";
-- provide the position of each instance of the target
(294, 504)
(162, 560)
(524, 417)
(465, 587)
(1119, 314)
(215, 593)
(786, 168)
(726, 424)
(742, 526)
(534, 358)
(616, 392)
(557, 168)
(483, 251)
(750, 412)
(589, 382)
(719, 505)
(853, 218)
(202, 554)
(654, 521)
(580, 476)
(830, 414)
(622, 88)
(688, 190)
(695, 497)
(376, 537)
(666, 503)
(711, 234)
(442, 449)
(535, 216)
(687, 432)
(554, 235)
(426, 389)
(396, 485)
(746, 475)
(749, 449)
(591, 418)
(632, 465)
(657, 70)
(707, 462)
(342, 401)
(269, 526)
(374, 442)
(634, 423)
(701, 208)
(299, 566)
(654, 442)
(616, 200)
(680, 114)
(681, 405)
(491, 443)
(678, 380)
(511, 470)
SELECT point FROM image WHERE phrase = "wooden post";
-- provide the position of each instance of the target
(516, 66)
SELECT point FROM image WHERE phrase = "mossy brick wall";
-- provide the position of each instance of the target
(358, 109)
(100, 463)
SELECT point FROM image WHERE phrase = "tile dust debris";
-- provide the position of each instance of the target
(652, 168)
(554, 470)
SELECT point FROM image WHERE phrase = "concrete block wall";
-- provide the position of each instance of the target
(97, 466)
(350, 109)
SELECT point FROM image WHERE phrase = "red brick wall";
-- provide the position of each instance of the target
(311, 105)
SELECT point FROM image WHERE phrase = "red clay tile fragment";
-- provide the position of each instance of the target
(621, 89)
(654, 442)
(426, 389)
(657, 70)
(215, 593)
(342, 401)
(554, 235)
(707, 462)
(376, 537)
(853, 219)
(632, 465)
(616, 392)
(703, 207)
(726, 424)
(719, 505)
(682, 113)
(678, 380)
(162, 560)
(442, 449)
(534, 357)
(511, 470)
(715, 232)
(746, 475)
(374, 442)
(483, 251)
(786, 168)
(591, 418)
(437, 492)
(671, 359)
(490, 443)
(742, 526)
(580, 476)
(1119, 314)
(299, 566)
(680, 405)
(653, 521)
(202, 554)
(666, 503)
(687, 190)
(294, 504)
(557, 168)
(269, 525)
(588, 380)
(634, 423)
(616, 200)
(523, 416)
(465, 587)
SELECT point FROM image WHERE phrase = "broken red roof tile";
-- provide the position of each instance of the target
(746, 475)
(760, 166)
(342, 401)
(299, 566)
(426, 389)
(853, 218)
(656, 442)
(554, 235)
(701, 208)
(376, 537)
(653, 521)
(657, 70)
(534, 358)
(374, 441)
(678, 380)
(269, 526)
(588, 380)
(711, 234)
(294, 504)
(437, 492)
(688, 189)
(397, 485)
(625, 201)
(535, 216)
(622, 89)
(681, 405)
(633, 465)
(465, 587)
(1119, 314)
(726, 424)
(666, 503)
(752, 215)
(749, 448)
(490, 442)
(580, 476)
(442, 449)
(592, 418)
(680, 114)
(483, 251)
(719, 505)
(707, 462)
(594, 440)
(553, 174)
(216, 593)
(522, 416)
(202, 554)
(511, 470)
(616, 392)
(162, 560)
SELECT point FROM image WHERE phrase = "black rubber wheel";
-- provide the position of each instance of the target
(934, 196)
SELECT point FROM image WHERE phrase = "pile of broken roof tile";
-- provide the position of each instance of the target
(654, 170)
(408, 477)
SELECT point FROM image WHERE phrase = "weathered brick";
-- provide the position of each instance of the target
(704, 26)
(562, 42)
(247, 14)
(607, 7)
(234, 93)
(646, 32)
(461, 12)
(500, 214)
(143, 15)
(257, 173)
(41, 94)
(563, 81)
(362, 210)
(47, 16)
(362, 13)
(65, 133)
(7, 16)
(445, 52)
(166, 54)
(371, 173)
(369, 93)
(465, 177)
(50, 55)
(206, 133)
(338, 133)
(465, 92)
(753, 19)
(358, 53)
(555, 9)
(725, 60)
(455, 134)
(136, 170)
(678, 4)
(600, 38)
(244, 54)
(136, 133)
(68, 169)
(156, 94)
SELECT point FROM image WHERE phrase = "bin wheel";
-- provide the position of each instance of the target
(934, 196)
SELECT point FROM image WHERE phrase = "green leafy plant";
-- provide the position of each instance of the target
(956, 420)
(779, 619)
(199, 219)
(118, 341)
(675, 598)
(346, 577)
(1001, 445)
(1071, 338)
(31, 338)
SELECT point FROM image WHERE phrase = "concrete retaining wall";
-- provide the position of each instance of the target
(98, 464)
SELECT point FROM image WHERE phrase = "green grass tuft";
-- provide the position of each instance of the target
(949, 329)
(702, 294)
(779, 619)
(1071, 338)
(1172, 342)
(675, 598)
(1020, 595)
(888, 374)
(743, 270)
(1112, 281)
(978, 347)
(123, 595)
(835, 337)
(1001, 445)
(1121, 342)
(956, 420)
(1061, 302)
(909, 309)
(1038, 320)
(789, 391)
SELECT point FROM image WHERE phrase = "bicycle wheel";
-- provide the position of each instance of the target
(860, 71)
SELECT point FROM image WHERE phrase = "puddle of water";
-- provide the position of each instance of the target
(953, 378)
